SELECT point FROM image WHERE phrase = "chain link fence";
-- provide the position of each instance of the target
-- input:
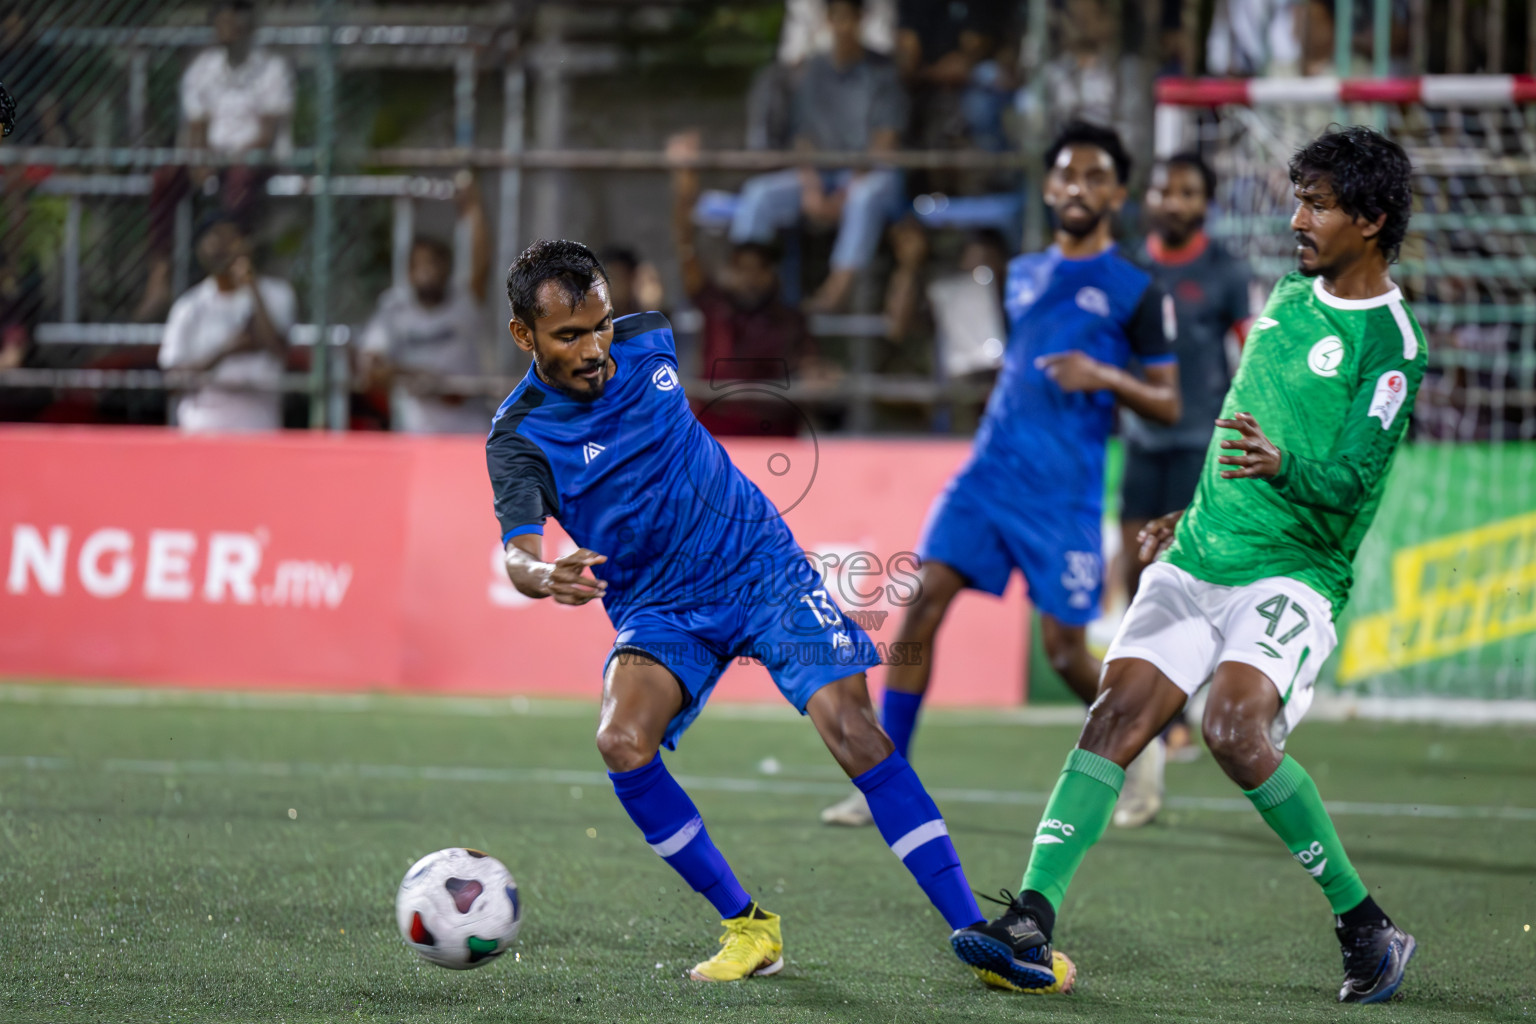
(337, 137)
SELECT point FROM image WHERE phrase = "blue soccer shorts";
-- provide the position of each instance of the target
(798, 633)
(1058, 547)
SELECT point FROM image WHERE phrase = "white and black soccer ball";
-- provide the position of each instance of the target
(458, 908)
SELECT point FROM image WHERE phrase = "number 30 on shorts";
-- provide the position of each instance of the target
(1275, 609)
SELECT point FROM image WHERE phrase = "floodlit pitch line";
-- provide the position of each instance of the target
(700, 783)
(1325, 708)
(532, 707)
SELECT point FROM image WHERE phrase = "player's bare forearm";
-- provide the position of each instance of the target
(1157, 397)
(561, 579)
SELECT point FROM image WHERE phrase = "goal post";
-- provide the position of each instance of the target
(1444, 601)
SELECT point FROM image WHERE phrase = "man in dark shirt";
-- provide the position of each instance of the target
(749, 333)
(1209, 287)
(849, 100)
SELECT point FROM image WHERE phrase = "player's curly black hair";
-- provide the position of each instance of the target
(1085, 133)
(1370, 175)
(571, 264)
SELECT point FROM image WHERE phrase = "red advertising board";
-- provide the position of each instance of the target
(372, 562)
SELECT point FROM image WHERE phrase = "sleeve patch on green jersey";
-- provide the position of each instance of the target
(1391, 393)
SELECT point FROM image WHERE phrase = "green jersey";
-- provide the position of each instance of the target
(1331, 383)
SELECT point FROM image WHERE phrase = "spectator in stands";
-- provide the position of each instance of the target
(35, 77)
(1254, 37)
(235, 98)
(634, 285)
(1208, 288)
(1175, 54)
(32, 76)
(947, 53)
(428, 330)
(806, 31)
(1094, 81)
(910, 328)
(1296, 37)
(749, 332)
(847, 100)
(937, 318)
(1315, 28)
(233, 326)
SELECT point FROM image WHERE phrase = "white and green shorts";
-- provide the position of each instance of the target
(1186, 627)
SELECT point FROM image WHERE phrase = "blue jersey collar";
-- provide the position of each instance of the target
(1056, 254)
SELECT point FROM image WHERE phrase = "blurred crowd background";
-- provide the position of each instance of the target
(201, 197)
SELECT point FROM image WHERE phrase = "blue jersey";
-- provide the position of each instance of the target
(1039, 444)
(635, 476)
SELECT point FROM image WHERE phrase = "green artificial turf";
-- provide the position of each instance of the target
(150, 870)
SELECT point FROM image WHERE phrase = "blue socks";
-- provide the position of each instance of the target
(911, 826)
(903, 811)
(673, 829)
(898, 717)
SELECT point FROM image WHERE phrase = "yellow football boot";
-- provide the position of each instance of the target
(751, 945)
(1064, 969)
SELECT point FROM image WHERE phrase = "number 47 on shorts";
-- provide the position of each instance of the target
(1273, 610)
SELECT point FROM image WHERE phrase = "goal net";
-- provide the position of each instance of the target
(1444, 601)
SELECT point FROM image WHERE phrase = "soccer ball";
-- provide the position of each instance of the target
(458, 908)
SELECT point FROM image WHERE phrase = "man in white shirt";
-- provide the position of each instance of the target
(1253, 37)
(234, 326)
(428, 330)
(235, 98)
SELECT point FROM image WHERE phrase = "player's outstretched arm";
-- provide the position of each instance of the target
(1156, 398)
(561, 579)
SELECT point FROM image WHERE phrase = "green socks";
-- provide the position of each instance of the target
(1288, 800)
(1084, 799)
(1075, 818)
